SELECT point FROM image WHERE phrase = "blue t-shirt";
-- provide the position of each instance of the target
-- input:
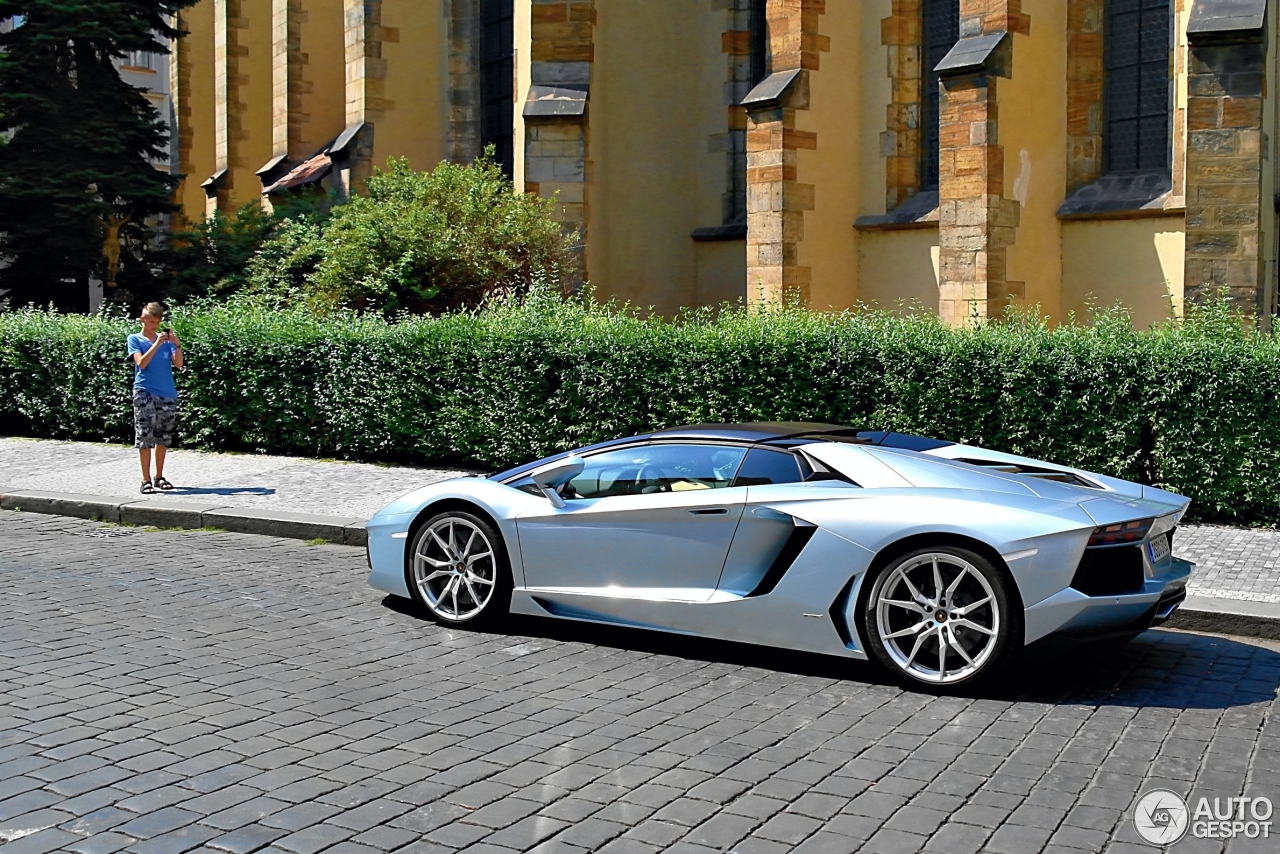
(157, 376)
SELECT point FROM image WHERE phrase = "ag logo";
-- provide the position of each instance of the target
(1161, 817)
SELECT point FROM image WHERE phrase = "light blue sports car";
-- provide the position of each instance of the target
(940, 561)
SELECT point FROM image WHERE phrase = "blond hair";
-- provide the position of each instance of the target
(153, 309)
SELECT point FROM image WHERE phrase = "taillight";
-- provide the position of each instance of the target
(1123, 532)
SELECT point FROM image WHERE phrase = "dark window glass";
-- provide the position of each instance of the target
(941, 19)
(759, 41)
(1137, 46)
(646, 469)
(497, 83)
(762, 468)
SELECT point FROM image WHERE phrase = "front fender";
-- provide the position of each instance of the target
(389, 527)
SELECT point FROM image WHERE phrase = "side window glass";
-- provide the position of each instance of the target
(655, 468)
(763, 467)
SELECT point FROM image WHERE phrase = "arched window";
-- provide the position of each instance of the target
(940, 32)
(1137, 108)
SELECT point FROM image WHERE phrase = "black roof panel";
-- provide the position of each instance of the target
(760, 431)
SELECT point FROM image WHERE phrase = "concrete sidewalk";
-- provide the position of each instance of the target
(1235, 587)
(248, 493)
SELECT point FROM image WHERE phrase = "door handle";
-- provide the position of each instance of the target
(712, 511)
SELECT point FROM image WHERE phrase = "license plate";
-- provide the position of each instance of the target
(1158, 549)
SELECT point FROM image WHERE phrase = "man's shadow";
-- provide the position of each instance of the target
(220, 490)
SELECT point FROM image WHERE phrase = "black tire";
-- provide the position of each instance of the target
(452, 586)
(978, 619)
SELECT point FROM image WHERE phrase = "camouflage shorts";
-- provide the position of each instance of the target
(153, 419)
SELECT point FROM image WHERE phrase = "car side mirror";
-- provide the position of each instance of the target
(556, 475)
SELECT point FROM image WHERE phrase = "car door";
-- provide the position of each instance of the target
(651, 520)
(764, 534)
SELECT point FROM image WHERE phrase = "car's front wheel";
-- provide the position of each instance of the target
(458, 568)
(942, 616)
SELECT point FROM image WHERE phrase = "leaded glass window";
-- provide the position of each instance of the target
(1137, 45)
(497, 83)
(759, 41)
(941, 19)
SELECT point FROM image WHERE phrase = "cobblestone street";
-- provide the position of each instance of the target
(162, 692)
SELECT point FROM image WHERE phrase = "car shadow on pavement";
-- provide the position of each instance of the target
(523, 627)
(1159, 668)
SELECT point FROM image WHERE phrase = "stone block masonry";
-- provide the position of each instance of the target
(900, 143)
(777, 197)
(557, 121)
(976, 222)
(1085, 77)
(1226, 88)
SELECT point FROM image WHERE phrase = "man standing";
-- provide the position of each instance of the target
(155, 397)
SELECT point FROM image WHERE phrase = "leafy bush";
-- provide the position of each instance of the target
(1193, 406)
(212, 258)
(421, 242)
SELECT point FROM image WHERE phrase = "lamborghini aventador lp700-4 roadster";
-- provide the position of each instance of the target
(936, 559)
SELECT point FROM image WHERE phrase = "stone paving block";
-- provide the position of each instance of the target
(176, 841)
(528, 832)
(722, 830)
(101, 843)
(314, 838)
(49, 839)
(830, 843)
(249, 838)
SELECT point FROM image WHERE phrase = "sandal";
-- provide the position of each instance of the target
(161, 483)
(147, 488)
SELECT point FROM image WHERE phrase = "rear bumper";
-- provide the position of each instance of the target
(1071, 613)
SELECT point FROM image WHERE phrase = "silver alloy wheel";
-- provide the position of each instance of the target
(455, 569)
(938, 618)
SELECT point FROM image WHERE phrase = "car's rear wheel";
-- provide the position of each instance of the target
(942, 616)
(458, 568)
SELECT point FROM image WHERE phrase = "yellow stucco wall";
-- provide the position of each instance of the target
(897, 267)
(254, 144)
(325, 101)
(416, 85)
(1134, 262)
(523, 41)
(197, 104)
(721, 272)
(893, 266)
(1033, 131)
(829, 248)
(657, 95)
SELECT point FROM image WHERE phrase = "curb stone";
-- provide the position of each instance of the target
(1227, 617)
(1197, 613)
(167, 513)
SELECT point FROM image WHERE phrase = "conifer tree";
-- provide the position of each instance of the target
(78, 161)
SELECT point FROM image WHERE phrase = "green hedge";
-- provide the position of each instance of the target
(1194, 406)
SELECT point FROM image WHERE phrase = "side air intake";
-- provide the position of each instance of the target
(790, 551)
